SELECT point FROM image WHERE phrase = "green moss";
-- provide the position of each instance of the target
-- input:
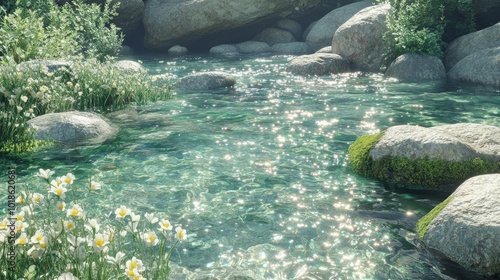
(432, 173)
(359, 153)
(24, 147)
(423, 224)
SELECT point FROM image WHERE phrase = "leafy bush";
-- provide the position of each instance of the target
(90, 85)
(418, 26)
(40, 29)
(60, 235)
(23, 37)
(415, 27)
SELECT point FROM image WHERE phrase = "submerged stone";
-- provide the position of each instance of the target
(206, 80)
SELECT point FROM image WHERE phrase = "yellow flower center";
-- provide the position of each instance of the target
(99, 242)
(152, 238)
(36, 198)
(43, 245)
(19, 218)
(67, 180)
(74, 212)
(181, 234)
(3, 225)
(60, 206)
(59, 192)
(131, 273)
(22, 241)
(166, 225)
(38, 238)
(21, 199)
(70, 226)
(133, 264)
(123, 213)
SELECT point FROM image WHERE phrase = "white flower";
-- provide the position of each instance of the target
(135, 264)
(122, 212)
(45, 174)
(150, 238)
(3, 224)
(19, 216)
(37, 198)
(75, 242)
(75, 211)
(135, 218)
(35, 239)
(24, 98)
(131, 227)
(61, 205)
(58, 190)
(22, 240)
(116, 260)
(20, 199)
(165, 225)
(69, 178)
(180, 233)
(99, 243)
(94, 186)
(57, 182)
(151, 218)
(69, 225)
(19, 108)
(93, 225)
(35, 252)
(66, 276)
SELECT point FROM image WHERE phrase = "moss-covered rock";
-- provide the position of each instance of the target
(423, 224)
(465, 227)
(359, 153)
(438, 158)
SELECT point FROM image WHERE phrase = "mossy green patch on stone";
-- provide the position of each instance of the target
(423, 224)
(359, 153)
(435, 174)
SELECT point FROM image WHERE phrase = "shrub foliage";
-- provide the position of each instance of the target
(423, 26)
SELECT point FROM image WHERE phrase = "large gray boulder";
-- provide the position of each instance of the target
(435, 158)
(360, 39)
(129, 17)
(224, 49)
(73, 127)
(466, 226)
(412, 67)
(481, 67)
(253, 47)
(171, 22)
(452, 142)
(318, 64)
(206, 81)
(471, 43)
(294, 48)
(322, 32)
(273, 36)
(292, 26)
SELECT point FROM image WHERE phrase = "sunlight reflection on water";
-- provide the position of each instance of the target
(259, 176)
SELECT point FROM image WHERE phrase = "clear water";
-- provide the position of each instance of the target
(258, 174)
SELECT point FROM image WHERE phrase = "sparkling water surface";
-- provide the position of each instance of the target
(258, 174)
